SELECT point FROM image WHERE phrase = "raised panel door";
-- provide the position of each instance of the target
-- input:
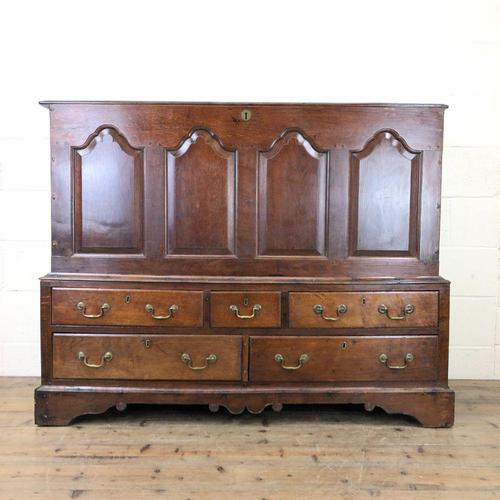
(201, 194)
(292, 198)
(108, 185)
(384, 198)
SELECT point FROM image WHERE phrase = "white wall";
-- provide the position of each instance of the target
(390, 51)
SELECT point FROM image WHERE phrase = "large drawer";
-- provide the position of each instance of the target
(245, 309)
(363, 309)
(146, 357)
(328, 359)
(87, 306)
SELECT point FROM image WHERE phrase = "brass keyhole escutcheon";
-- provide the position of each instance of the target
(245, 301)
(246, 114)
(128, 299)
(343, 346)
(147, 343)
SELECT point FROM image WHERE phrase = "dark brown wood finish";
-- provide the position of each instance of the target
(126, 307)
(363, 310)
(293, 194)
(342, 359)
(108, 185)
(200, 196)
(146, 357)
(384, 198)
(239, 146)
(171, 222)
(245, 309)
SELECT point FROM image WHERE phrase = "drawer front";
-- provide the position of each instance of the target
(246, 309)
(146, 357)
(363, 309)
(343, 359)
(84, 306)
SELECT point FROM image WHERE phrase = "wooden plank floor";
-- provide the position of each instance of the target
(190, 453)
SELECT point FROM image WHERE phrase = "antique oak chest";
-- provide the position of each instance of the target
(245, 256)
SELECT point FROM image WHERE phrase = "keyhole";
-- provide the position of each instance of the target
(245, 301)
(246, 114)
(147, 343)
(343, 346)
(127, 299)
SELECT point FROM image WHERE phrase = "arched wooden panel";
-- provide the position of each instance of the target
(201, 194)
(292, 198)
(108, 183)
(384, 197)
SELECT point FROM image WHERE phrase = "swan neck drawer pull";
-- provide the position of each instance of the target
(341, 309)
(186, 358)
(171, 311)
(255, 309)
(303, 359)
(107, 356)
(407, 309)
(82, 307)
(384, 359)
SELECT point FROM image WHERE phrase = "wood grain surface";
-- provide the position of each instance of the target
(320, 452)
(297, 190)
(362, 309)
(127, 307)
(147, 357)
(269, 316)
(225, 192)
(343, 358)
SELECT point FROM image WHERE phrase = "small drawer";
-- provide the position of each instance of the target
(146, 357)
(325, 310)
(343, 359)
(246, 309)
(84, 306)
(363, 310)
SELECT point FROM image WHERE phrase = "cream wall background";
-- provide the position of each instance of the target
(357, 51)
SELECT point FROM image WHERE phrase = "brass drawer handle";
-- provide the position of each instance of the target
(186, 358)
(407, 309)
(172, 310)
(255, 309)
(384, 359)
(303, 359)
(107, 356)
(82, 307)
(341, 309)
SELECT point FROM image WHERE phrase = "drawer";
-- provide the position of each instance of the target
(343, 359)
(146, 357)
(363, 309)
(84, 306)
(246, 309)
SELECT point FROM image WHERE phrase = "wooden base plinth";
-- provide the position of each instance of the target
(432, 407)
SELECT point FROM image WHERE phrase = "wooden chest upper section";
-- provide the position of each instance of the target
(246, 189)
